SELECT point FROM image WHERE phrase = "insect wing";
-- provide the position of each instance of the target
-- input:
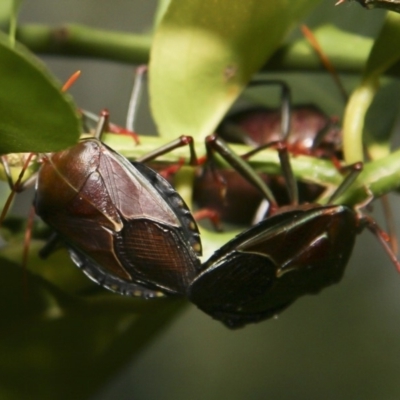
(263, 270)
(109, 214)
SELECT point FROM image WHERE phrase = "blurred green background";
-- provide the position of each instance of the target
(341, 344)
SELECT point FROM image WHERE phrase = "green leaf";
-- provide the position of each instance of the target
(384, 54)
(161, 9)
(205, 52)
(48, 337)
(386, 49)
(380, 120)
(35, 115)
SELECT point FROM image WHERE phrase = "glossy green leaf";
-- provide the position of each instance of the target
(205, 52)
(35, 115)
(381, 120)
(386, 50)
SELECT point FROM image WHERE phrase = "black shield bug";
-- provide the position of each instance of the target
(299, 250)
(266, 268)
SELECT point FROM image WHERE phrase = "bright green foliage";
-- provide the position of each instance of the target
(205, 52)
(35, 115)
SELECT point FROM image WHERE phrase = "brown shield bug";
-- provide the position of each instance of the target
(125, 225)
(306, 129)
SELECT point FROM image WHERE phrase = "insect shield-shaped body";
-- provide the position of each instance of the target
(305, 129)
(311, 132)
(299, 250)
(125, 226)
(266, 268)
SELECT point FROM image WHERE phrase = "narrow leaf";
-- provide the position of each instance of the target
(384, 53)
(386, 49)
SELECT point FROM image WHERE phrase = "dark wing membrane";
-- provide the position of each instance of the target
(157, 254)
(234, 291)
(111, 282)
(278, 260)
(176, 203)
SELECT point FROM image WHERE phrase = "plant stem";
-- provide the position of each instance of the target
(380, 176)
(353, 122)
(349, 58)
(83, 41)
